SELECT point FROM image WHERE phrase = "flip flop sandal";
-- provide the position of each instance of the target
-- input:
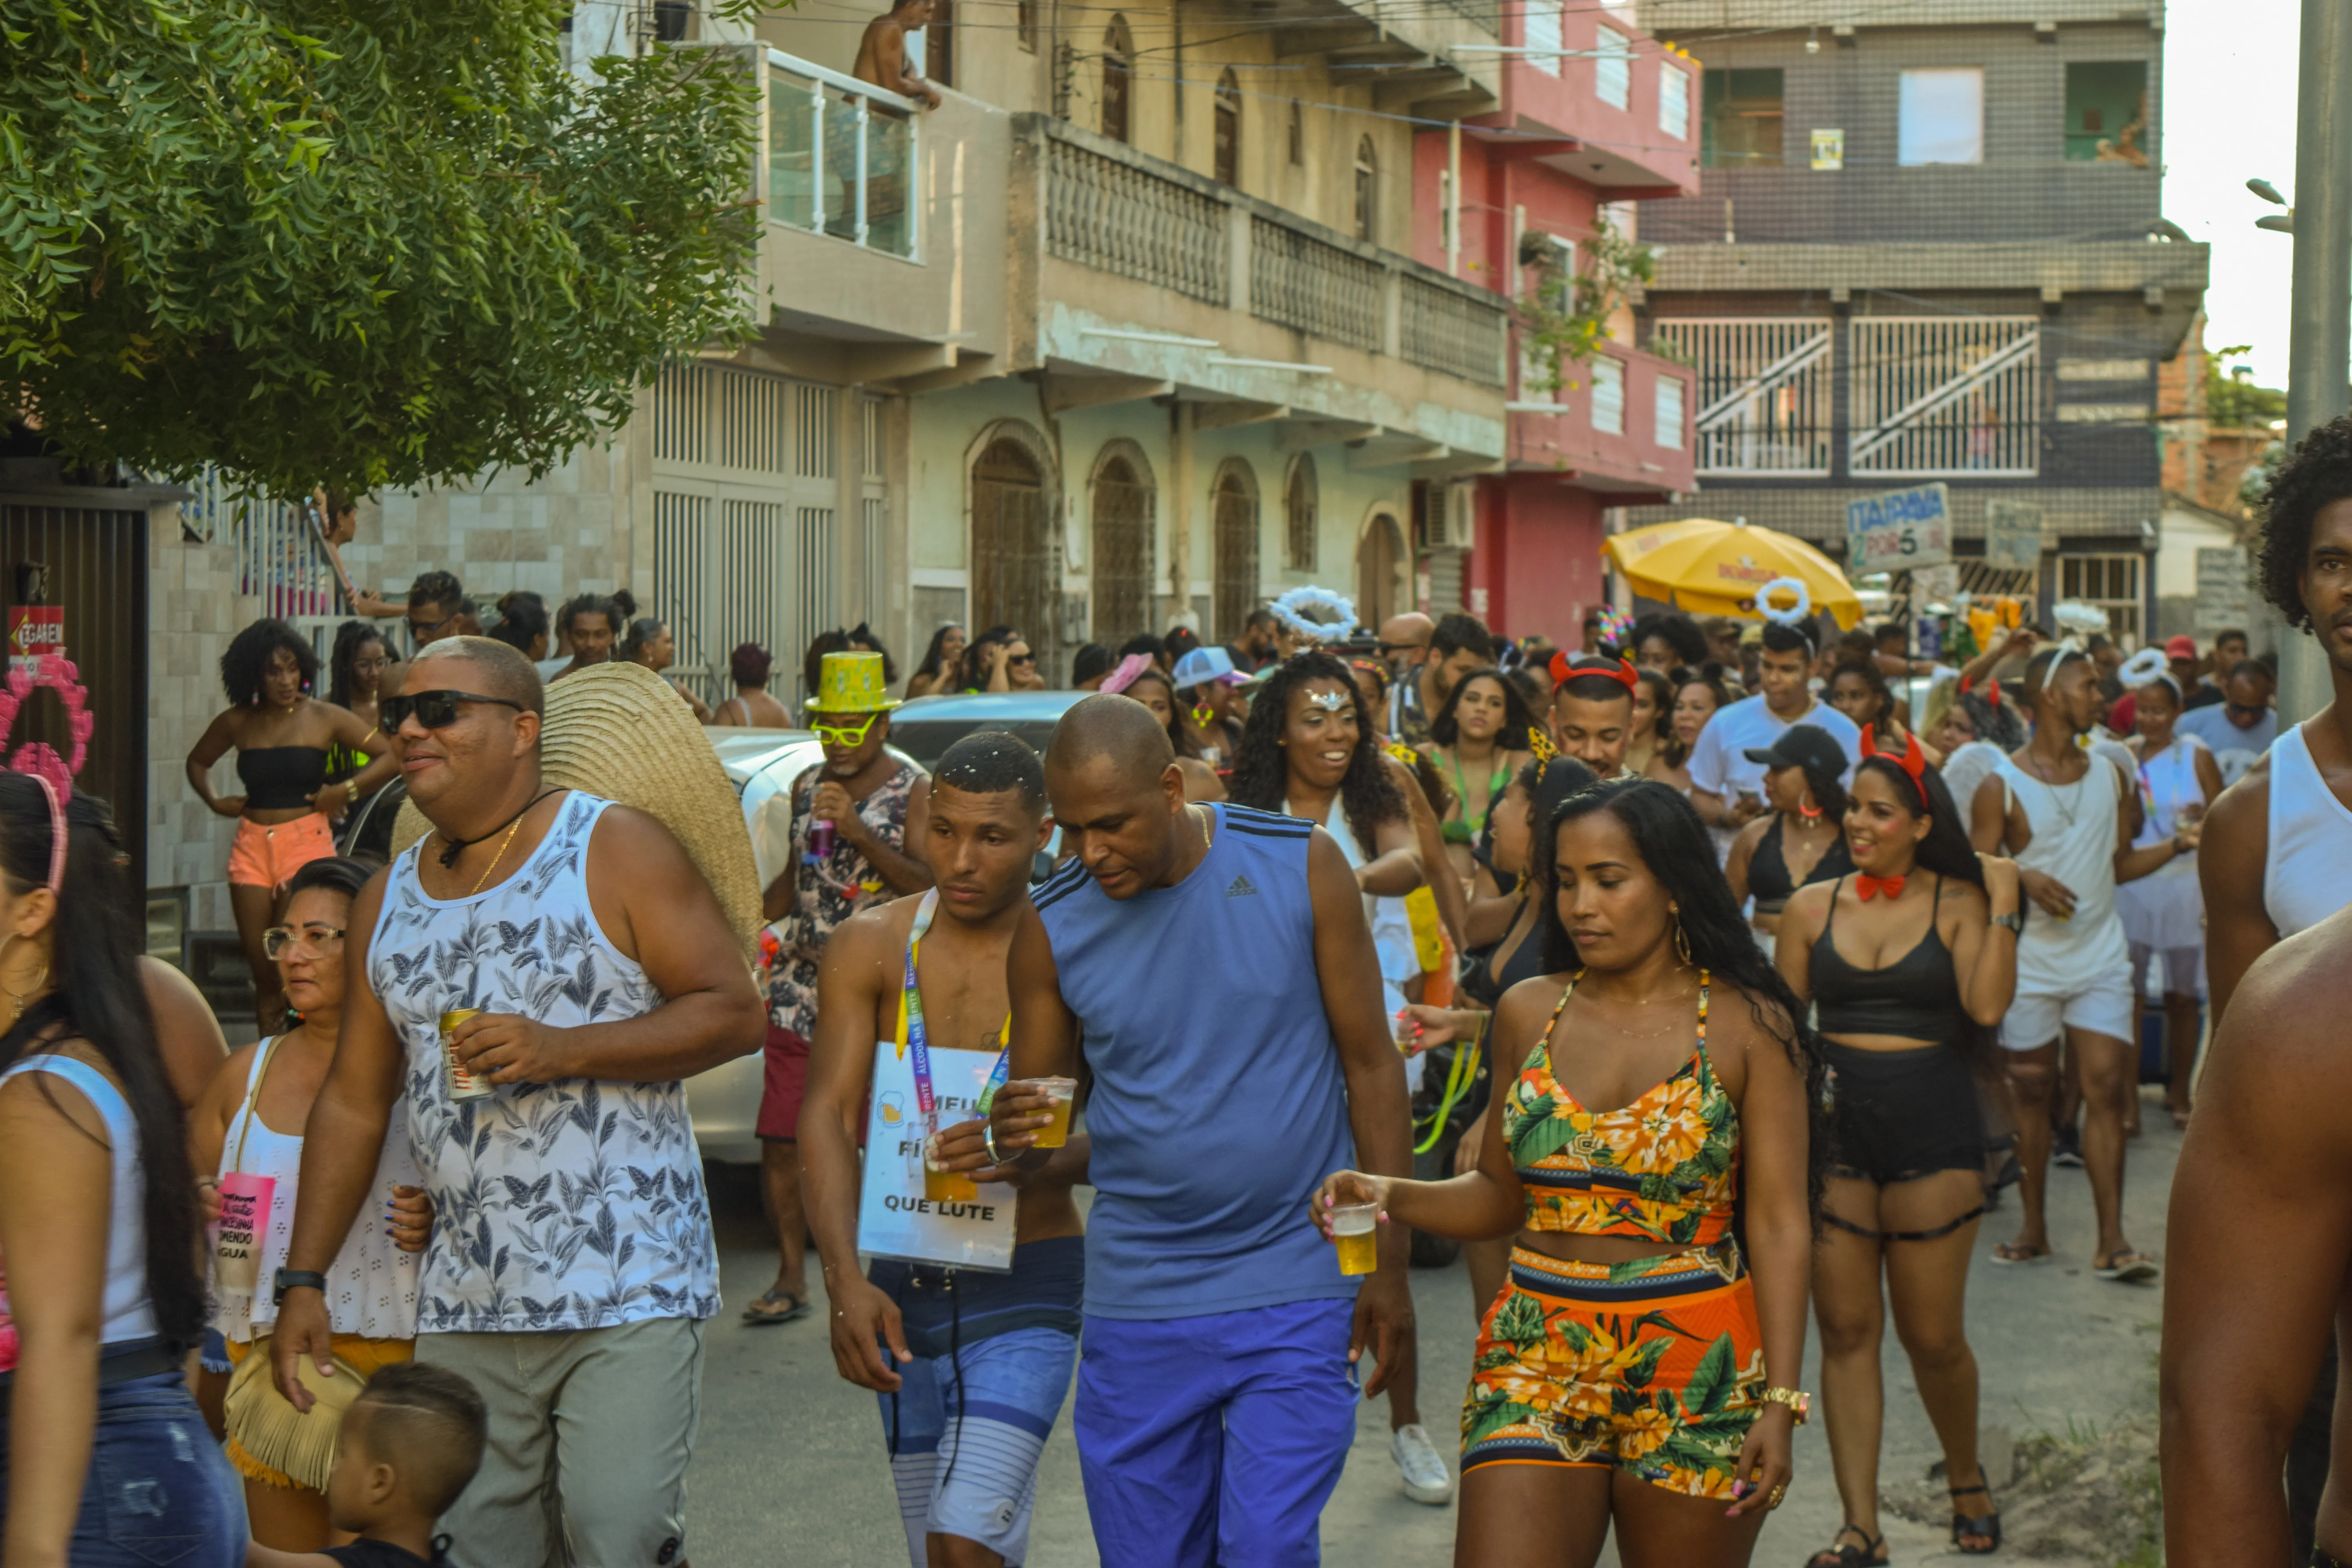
(1987, 1525)
(1846, 1554)
(776, 1306)
(2127, 1267)
(2006, 1253)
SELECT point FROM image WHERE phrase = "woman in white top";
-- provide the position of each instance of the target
(2163, 911)
(241, 1130)
(107, 1460)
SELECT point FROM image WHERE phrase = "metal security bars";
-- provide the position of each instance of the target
(842, 157)
(1940, 395)
(1763, 392)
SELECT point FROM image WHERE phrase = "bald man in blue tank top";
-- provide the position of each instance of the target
(1216, 1380)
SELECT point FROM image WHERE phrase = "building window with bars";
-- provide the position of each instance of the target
(2112, 582)
(1227, 151)
(1950, 396)
(1666, 410)
(1608, 396)
(1612, 67)
(1763, 392)
(1300, 504)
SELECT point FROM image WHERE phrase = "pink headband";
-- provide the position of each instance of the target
(56, 834)
(1130, 669)
(55, 774)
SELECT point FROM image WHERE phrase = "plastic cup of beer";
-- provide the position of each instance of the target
(1064, 1093)
(1356, 1228)
(945, 1186)
(1405, 1031)
(464, 1083)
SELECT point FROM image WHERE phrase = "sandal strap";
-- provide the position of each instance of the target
(1963, 1491)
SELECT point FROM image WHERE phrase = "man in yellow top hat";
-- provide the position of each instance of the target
(855, 817)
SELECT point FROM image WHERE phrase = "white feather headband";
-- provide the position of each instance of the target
(1315, 615)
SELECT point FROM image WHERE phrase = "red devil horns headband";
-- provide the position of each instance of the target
(1566, 668)
(1992, 689)
(1913, 761)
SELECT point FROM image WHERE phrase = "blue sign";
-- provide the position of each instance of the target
(1898, 530)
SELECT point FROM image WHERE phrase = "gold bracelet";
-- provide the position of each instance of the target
(1800, 1404)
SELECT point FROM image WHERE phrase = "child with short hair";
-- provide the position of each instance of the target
(409, 1445)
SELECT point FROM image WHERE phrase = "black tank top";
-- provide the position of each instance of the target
(281, 778)
(1769, 881)
(1917, 998)
(1485, 984)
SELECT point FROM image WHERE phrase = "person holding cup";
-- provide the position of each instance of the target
(1666, 1072)
(371, 1300)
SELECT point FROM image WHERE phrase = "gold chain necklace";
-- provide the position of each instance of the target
(512, 827)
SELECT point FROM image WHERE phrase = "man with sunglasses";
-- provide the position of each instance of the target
(2238, 730)
(853, 816)
(571, 1266)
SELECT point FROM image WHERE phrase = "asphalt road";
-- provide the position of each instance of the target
(790, 1467)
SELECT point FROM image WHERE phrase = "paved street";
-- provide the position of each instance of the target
(788, 1468)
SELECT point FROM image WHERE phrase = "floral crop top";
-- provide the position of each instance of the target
(1663, 1168)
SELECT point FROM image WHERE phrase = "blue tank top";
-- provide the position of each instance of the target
(1218, 1103)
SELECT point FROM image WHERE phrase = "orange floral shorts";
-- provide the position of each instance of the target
(1653, 1367)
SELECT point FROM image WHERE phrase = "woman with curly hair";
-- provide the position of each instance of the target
(1483, 723)
(1973, 730)
(282, 736)
(1653, 717)
(1656, 1155)
(1305, 753)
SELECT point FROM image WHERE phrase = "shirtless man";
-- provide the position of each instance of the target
(2275, 845)
(882, 52)
(909, 1332)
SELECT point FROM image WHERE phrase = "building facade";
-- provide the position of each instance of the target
(1931, 250)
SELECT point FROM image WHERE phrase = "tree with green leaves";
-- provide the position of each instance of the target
(2233, 401)
(355, 243)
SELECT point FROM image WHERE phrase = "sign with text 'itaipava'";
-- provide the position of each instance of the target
(34, 630)
(1898, 532)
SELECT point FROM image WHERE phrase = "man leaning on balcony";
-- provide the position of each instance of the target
(882, 52)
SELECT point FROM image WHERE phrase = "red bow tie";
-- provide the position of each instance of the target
(1872, 886)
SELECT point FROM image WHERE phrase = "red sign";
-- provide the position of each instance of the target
(34, 630)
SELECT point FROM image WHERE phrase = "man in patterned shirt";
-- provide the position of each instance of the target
(871, 805)
(571, 1266)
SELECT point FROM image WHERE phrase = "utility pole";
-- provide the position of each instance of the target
(2320, 351)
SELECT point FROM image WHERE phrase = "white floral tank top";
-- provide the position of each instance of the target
(575, 1204)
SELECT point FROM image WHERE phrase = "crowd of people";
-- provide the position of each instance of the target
(1689, 980)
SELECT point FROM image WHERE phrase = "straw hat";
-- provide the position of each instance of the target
(851, 683)
(620, 731)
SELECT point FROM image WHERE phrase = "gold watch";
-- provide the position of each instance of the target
(1800, 1402)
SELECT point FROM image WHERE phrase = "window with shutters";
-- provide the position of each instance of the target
(1234, 542)
(1540, 34)
(1301, 504)
(1673, 100)
(1612, 67)
(1608, 396)
(1666, 408)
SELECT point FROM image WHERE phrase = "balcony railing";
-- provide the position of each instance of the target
(1110, 207)
(841, 157)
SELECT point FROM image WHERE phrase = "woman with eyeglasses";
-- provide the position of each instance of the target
(284, 739)
(1654, 1154)
(247, 1134)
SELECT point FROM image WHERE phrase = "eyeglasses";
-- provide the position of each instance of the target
(421, 628)
(319, 941)
(1022, 658)
(844, 735)
(434, 710)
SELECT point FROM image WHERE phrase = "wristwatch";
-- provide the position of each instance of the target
(2014, 920)
(1800, 1402)
(295, 1279)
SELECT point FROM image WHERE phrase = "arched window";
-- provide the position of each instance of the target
(1121, 508)
(1229, 129)
(1382, 564)
(1234, 542)
(1015, 569)
(1118, 79)
(1299, 506)
(1368, 188)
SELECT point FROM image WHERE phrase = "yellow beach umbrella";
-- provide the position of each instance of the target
(1712, 568)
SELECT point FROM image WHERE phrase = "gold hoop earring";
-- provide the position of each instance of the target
(1682, 939)
(20, 1000)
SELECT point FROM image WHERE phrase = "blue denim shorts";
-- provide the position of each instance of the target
(966, 1431)
(158, 1491)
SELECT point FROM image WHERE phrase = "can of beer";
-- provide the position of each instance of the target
(463, 1083)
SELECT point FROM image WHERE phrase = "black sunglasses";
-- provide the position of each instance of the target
(434, 710)
(1023, 658)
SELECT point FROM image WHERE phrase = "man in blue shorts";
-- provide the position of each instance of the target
(1214, 958)
(971, 1365)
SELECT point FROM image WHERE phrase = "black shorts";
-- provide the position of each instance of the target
(1895, 1116)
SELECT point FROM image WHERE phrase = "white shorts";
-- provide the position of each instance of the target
(2184, 969)
(2101, 1004)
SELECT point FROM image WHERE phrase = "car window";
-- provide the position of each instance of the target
(927, 740)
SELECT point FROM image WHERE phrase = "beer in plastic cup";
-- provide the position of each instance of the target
(1405, 1031)
(1064, 1092)
(464, 1084)
(1356, 1228)
(945, 1186)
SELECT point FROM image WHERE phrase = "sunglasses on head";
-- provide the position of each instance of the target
(844, 735)
(434, 710)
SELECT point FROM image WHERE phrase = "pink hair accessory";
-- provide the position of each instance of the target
(37, 758)
(1131, 670)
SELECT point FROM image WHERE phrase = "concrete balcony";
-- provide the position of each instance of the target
(1602, 430)
(1132, 278)
(1564, 111)
(1430, 58)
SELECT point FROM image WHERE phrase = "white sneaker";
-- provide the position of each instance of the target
(1426, 1478)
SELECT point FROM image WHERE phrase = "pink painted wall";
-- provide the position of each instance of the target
(1538, 557)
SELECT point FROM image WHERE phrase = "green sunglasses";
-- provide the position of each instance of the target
(844, 735)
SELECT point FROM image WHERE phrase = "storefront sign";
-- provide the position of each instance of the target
(1828, 149)
(2220, 588)
(2013, 536)
(1898, 532)
(34, 630)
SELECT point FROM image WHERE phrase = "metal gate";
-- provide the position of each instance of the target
(1013, 564)
(1235, 552)
(1958, 396)
(1763, 392)
(1122, 553)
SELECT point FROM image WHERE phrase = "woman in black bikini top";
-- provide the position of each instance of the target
(1910, 960)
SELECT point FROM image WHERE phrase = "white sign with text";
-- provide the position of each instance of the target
(895, 1218)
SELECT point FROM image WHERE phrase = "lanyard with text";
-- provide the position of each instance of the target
(914, 1036)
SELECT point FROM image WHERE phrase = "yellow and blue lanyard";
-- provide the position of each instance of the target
(915, 1037)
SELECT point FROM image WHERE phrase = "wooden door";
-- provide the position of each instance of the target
(1236, 542)
(1014, 572)
(1122, 554)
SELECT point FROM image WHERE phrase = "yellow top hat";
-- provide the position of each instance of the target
(851, 683)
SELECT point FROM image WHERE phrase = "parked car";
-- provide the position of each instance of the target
(927, 726)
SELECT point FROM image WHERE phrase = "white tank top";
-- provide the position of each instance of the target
(2304, 880)
(371, 1285)
(2073, 829)
(1392, 926)
(129, 1313)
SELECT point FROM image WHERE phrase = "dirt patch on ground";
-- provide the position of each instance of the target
(2089, 1494)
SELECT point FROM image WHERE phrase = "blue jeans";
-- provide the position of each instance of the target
(159, 1491)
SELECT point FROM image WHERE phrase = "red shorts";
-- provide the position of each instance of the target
(785, 1085)
(268, 857)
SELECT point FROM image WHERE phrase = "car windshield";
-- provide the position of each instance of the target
(927, 740)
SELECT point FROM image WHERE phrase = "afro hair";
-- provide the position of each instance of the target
(2317, 472)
